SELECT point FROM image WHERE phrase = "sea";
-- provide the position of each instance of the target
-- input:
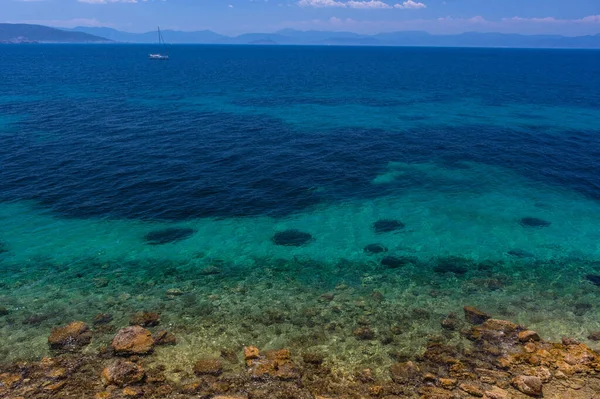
(288, 196)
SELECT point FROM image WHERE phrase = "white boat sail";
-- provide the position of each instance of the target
(159, 56)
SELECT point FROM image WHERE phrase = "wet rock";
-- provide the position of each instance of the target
(145, 319)
(450, 322)
(529, 385)
(528, 335)
(292, 238)
(208, 367)
(451, 264)
(133, 392)
(364, 333)
(71, 337)
(10, 380)
(475, 316)
(134, 340)
(595, 336)
(520, 253)
(395, 262)
(274, 364)
(313, 358)
(122, 373)
(533, 222)
(471, 390)
(404, 372)
(162, 337)
(373, 249)
(448, 383)
(251, 353)
(494, 330)
(166, 236)
(102, 318)
(497, 393)
(387, 226)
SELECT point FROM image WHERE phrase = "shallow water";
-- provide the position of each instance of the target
(102, 149)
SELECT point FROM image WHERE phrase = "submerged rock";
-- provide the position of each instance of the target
(520, 253)
(404, 372)
(3, 311)
(291, 238)
(145, 319)
(475, 316)
(373, 249)
(594, 279)
(275, 364)
(395, 262)
(163, 337)
(165, 236)
(208, 367)
(595, 336)
(71, 337)
(387, 226)
(102, 318)
(533, 222)
(133, 340)
(452, 264)
(529, 385)
(122, 373)
(364, 333)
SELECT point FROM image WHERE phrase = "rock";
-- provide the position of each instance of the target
(275, 364)
(134, 340)
(533, 222)
(520, 253)
(292, 238)
(404, 372)
(210, 271)
(595, 336)
(166, 236)
(448, 383)
(162, 337)
(364, 333)
(133, 392)
(387, 226)
(145, 319)
(3, 311)
(241, 396)
(208, 367)
(102, 318)
(71, 337)
(594, 279)
(313, 358)
(10, 380)
(475, 316)
(497, 393)
(173, 292)
(500, 325)
(451, 264)
(122, 373)
(251, 352)
(395, 262)
(471, 390)
(528, 335)
(373, 249)
(527, 384)
(450, 322)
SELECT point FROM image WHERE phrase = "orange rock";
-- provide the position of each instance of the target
(133, 340)
(529, 385)
(448, 383)
(471, 390)
(375, 390)
(251, 352)
(163, 337)
(497, 393)
(528, 335)
(73, 336)
(102, 395)
(122, 373)
(404, 372)
(500, 325)
(133, 392)
(10, 380)
(208, 367)
(55, 387)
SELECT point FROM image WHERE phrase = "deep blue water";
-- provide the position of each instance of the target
(242, 130)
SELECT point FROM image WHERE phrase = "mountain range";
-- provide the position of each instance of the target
(19, 33)
(26, 33)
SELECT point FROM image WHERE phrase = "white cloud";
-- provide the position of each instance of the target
(360, 4)
(590, 19)
(410, 4)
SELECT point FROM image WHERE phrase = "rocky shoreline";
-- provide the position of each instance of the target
(493, 359)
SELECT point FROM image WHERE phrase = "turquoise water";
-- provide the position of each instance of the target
(102, 147)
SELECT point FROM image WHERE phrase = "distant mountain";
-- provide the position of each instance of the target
(25, 33)
(171, 36)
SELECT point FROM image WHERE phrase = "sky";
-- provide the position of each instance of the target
(565, 17)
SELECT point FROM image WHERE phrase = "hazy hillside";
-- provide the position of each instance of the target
(23, 33)
(407, 38)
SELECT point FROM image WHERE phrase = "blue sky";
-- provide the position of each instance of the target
(573, 17)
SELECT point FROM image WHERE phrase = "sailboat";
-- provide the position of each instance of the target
(159, 56)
